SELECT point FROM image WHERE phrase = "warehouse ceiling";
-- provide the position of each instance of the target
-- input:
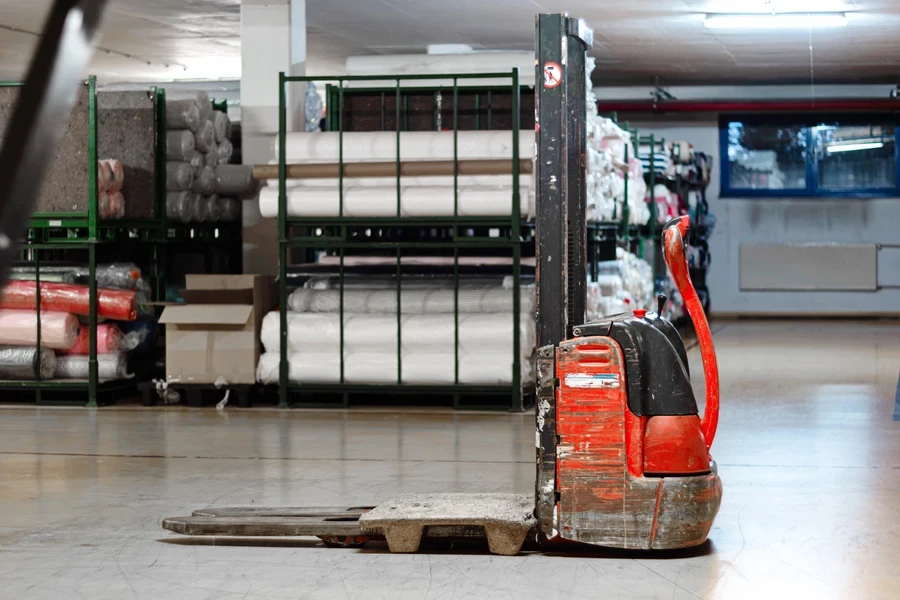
(637, 41)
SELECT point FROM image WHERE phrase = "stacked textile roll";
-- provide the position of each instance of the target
(620, 286)
(433, 344)
(59, 328)
(110, 179)
(198, 144)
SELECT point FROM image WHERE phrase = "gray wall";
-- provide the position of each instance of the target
(743, 221)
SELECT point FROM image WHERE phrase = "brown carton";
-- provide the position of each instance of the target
(216, 332)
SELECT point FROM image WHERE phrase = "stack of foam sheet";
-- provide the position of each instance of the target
(430, 335)
(198, 150)
(483, 195)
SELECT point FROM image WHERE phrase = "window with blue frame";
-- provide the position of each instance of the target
(780, 156)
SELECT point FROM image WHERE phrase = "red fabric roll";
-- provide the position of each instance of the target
(71, 298)
(104, 176)
(109, 340)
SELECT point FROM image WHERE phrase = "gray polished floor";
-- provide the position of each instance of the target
(807, 450)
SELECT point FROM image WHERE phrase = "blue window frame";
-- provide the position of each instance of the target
(789, 156)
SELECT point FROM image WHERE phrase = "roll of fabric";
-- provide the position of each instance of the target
(118, 174)
(24, 362)
(484, 368)
(204, 137)
(69, 298)
(117, 276)
(116, 205)
(104, 175)
(109, 366)
(231, 209)
(378, 146)
(109, 339)
(378, 333)
(200, 209)
(470, 300)
(103, 204)
(235, 180)
(219, 120)
(182, 114)
(435, 201)
(213, 208)
(224, 151)
(229, 129)
(19, 328)
(197, 161)
(204, 181)
(200, 97)
(211, 158)
(179, 206)
(179, 145)
(179, 176)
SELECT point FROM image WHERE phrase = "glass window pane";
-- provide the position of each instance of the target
(856, 156)
(767, 157)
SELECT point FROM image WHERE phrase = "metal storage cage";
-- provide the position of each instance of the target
(399, 237)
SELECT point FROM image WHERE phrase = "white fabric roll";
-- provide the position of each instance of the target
(75, 366)
(412, 181)
(375, 146)
(434, 201)
(320, 332)
(484, 368)
(431, 301)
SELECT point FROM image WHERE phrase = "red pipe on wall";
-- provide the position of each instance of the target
(742, 106)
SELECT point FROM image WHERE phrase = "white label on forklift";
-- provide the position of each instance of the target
(592, 380)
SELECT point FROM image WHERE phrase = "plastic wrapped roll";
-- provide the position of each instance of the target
(179, 176)
(75, 366)
(69, 298)
(182, 114)
(213, 208)
(471, 299)
(225, 149)
(19, 328)
(104, 175)
(116, 205)
(179, 207)
(116, 276)
(198, 96)
(200, 208)
(138, 335)
(211, 158)
(103, 204)
(23, 362)
(109, 339)
(179, 145)
(231, 209)
(219, 120)
(204, 181)
(229, 129)
(118, 174)
(197, 161)
(234, 180)
(204, 137)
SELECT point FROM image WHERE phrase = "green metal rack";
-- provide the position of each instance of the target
(341, 235)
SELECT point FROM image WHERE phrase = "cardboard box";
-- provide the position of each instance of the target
(216, 332)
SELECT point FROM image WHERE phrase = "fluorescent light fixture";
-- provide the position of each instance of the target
(853, 147)
(810, 20)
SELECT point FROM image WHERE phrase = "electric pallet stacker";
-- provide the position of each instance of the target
(622, 454)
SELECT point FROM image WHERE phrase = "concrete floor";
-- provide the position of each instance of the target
(807, 450)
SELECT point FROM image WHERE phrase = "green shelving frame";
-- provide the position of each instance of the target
(334, 235)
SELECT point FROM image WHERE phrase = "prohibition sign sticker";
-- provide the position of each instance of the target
(552, 75)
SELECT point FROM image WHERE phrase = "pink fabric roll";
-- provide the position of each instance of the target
(117, 205)
(118, 174)
(103, 204)
(109, 340)
(104, 176)
(19, 328)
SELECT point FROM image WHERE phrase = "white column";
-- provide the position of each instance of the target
(297, 97)
(273, 40)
